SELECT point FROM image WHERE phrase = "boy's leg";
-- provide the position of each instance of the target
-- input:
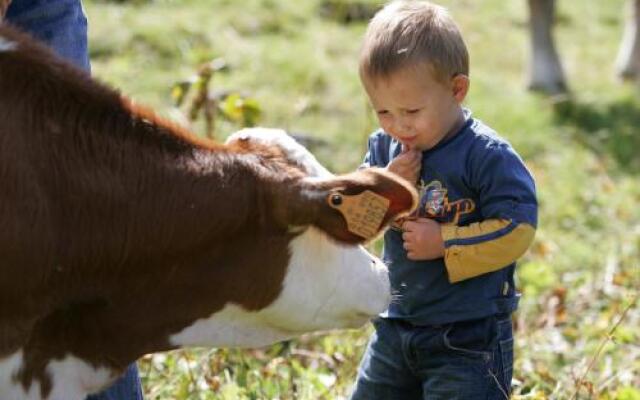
(471, 360)
(62, 25)
(383, 372)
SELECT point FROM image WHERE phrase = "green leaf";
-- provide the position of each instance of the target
(179, 92)
(627, 393)
(244, 111)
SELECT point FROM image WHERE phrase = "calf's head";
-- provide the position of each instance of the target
(331, 280)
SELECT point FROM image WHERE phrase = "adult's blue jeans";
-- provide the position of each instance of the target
(62, 25)
(468, 360)
(126, 388)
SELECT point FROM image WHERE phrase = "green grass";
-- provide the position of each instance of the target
(301, 68)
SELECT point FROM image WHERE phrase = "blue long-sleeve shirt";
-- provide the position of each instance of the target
(479, 189)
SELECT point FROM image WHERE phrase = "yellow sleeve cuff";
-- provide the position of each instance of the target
(483, 247)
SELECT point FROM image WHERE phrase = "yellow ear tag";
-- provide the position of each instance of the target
(363, 212)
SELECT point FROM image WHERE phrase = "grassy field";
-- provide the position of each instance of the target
(583, 271)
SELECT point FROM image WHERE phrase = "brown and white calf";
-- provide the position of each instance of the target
(121, 234)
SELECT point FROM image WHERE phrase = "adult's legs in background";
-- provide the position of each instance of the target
(62, 25)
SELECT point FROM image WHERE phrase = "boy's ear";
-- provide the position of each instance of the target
(460, 87)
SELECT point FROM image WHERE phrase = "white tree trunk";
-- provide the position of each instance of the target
(628, 60)
(545, 72)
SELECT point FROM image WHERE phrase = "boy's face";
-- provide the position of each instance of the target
(414, 107)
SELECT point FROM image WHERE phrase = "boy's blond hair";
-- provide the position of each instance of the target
(409, 32)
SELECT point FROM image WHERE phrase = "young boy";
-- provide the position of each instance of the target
(448, 333)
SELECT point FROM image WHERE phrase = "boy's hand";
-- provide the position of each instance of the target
(407, 164)
(422, 239)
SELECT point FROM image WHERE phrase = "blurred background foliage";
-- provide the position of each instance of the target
(293, 64)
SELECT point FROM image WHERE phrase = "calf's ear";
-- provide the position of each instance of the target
(356, 207)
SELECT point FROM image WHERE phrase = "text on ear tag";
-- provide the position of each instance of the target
(363, 212)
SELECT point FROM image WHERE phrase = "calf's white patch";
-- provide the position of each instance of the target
(294, 150)
(7, 45)
(71, 379)
(327, 286)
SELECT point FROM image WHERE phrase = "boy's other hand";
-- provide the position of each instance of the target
(407, 164)
(422, 239)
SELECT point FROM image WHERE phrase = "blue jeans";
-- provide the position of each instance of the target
(126, 388)
(62, 25)
(467, 360)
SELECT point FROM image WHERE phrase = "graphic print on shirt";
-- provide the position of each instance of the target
(435, 204)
